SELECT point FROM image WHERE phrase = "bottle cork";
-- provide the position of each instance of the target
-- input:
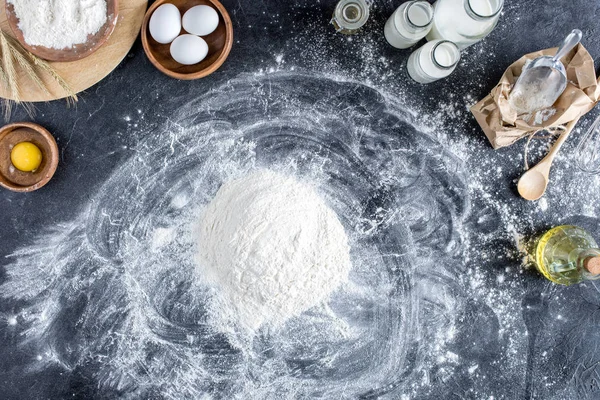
(592, 264)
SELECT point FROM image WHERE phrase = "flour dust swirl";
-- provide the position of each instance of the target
(116, 296)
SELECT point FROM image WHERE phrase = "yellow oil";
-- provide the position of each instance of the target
(558, 254)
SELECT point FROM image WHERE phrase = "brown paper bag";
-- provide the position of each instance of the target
(500, 121)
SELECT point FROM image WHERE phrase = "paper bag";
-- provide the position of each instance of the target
(500, 121)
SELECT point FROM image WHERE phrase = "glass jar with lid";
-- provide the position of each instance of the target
(350, 15)
(464, 22)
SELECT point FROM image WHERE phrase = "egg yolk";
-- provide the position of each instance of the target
(26, 157)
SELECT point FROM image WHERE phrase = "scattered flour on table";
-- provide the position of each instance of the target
(273, 247)
(59, 24)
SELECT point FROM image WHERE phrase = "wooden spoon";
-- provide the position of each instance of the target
(534, 182)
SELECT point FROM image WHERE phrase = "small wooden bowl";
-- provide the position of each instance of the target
(19, 181)
(78, 51)
(219, 43)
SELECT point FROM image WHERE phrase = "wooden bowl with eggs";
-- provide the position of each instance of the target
(219, 42)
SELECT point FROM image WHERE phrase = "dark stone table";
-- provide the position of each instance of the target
(90, 309)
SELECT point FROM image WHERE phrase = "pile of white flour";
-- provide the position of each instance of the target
(59, 24)
(272, 247)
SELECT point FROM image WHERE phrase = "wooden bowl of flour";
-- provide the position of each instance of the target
(76, 52)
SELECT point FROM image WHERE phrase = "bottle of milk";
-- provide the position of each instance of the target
(464, 22)
(410, 23)
(433, 61)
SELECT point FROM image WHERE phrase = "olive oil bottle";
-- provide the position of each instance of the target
(567, 255)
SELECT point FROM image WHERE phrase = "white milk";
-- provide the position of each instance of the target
(464, 22)
(408, 24)
(435, 60)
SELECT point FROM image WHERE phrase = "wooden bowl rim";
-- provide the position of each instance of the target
(53, 157)
(203, 72)
(62, 55)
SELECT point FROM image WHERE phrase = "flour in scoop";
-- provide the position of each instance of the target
(59, 24)
(272, 248)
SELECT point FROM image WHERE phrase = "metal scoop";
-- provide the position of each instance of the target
(543, 80)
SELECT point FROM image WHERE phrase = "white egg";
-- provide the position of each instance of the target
(189, 49)
(200, 20)
(165, 23)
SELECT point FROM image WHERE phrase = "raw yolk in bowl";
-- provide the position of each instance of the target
(26, 157)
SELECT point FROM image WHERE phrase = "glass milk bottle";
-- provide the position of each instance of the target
(408, 24)
(434, 60)
(464, 22)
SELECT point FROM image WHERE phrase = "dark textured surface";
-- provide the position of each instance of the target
(97, 136)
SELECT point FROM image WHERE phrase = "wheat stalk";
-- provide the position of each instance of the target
(29, 70)
(32, 65)
(6, 103)
(71, 95)
(9, 75)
